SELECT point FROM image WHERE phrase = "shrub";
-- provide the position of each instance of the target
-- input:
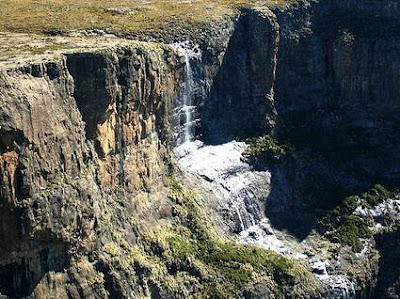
(377, 195)
(348, 228)
(350, 232)
(266, 147)
(347, 37)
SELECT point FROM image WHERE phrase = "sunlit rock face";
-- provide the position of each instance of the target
(241, 191)
(72, 132)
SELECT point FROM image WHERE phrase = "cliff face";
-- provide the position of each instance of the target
(337, 106)
(86, 147)
(73, 133)
(37, 118)
(240, 101)
(126, 101)
(329, 70)
(335, 93)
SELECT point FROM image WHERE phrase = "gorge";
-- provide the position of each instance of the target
(257, 157)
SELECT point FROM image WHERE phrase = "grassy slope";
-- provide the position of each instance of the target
(121, 16)
(186, 250)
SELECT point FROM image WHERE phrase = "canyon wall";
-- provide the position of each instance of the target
(74, 133)
(336, 95)
(240, 100)
(86, 140)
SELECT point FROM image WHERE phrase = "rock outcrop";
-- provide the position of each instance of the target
(74, 133)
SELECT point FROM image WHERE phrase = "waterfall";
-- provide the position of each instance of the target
(187, 109)
(242, 226)
(187, 96)
(239, 192)
(232, 180)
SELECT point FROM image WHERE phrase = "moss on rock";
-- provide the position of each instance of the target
(265, 147)
(184, 256)
(345, 227)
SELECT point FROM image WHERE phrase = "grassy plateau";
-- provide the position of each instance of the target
(118, 16)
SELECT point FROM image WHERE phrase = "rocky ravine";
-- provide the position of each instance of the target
(89, 139)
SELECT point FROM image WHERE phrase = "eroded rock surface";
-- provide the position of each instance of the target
(87, 143)
(74, 133)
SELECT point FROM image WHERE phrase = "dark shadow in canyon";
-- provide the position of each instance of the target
(236, 106)
(388, 280)
(336, 104)
(20, 276)
(337, 107)
(325, 164)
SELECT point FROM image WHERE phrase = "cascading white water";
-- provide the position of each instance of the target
(230, 177)
(242, 226)
(240, 190)
(187, 108)
(187, 95)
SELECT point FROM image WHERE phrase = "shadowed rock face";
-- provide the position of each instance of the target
(80, 133)
(388, 284)
(336, 97)
(240, 102)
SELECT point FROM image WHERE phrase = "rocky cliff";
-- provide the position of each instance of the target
(77, 133)
(336, 85)
(97, 202)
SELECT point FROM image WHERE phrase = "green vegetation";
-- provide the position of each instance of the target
(345, 209)
(347, 37)
(188, 249)
(224, 256)
(234, 265)
(123, 17)
(350, 232)
(265, 147)
(44, 49)
(377, 195)
(39, 27)
(96, 280)
(347, 228)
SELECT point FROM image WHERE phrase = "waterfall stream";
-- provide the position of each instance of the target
(242, 192)
(242, 226)
(187, 94)
(187, 109)
(239, 189)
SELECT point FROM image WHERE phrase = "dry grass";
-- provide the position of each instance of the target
(125, 17)
(44, 28)
(21, 48)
